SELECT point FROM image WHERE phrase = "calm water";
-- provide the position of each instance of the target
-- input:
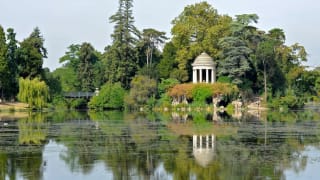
(115, 145)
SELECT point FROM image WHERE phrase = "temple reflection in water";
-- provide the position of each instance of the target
(203, 149)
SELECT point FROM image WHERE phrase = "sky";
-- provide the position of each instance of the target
(66, 22)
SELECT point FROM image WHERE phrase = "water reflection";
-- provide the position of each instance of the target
(116, 145)
(203, 149)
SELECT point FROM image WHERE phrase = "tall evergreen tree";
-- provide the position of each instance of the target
(236, 51)
(71, 58)
(4, 67)
(31, 54)
(12, 45)
(85, 71)
(121, 56)
(235, 61)
(168, 61)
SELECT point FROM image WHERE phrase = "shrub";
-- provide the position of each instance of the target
(200, 92)
(111, 96)
(230, 109)
(224, 79)
(166, 84)
(78, 103)
(165, 100)
(59, 102)
(142, 89)
(289, 101)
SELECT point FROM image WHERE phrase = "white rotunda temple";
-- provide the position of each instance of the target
(204, 69)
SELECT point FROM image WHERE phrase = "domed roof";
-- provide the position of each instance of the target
(203, 60)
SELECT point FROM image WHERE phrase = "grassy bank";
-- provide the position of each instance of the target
(13, 106)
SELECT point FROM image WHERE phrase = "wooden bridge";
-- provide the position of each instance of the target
(79, 94)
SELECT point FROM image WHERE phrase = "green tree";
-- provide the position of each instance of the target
(235, 59)
(34, 92)
(13, 63)
(168, 61)
(142, 89)
(53, 83)
(67, 74)
(305, 84)
(166, 84)
(31, 54)
(67, 77)
(82, 69)
(277, 35)
(269, 68)
(121, 60)
(317, 85)
(242, 28)
(149, 42)
(85, 72)
(237, 51)
(289, 59)
(71, 57)
(98, 71)
(111, 96)
(198, 28)
(4, 66)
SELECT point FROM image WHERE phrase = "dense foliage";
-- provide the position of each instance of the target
(21, 59)
(150, 67)
(143, 90)
(31, 54)
(4, 66)
(121, 55)
(110, 97)
(34, 92)
(200, 92)
(197, 29)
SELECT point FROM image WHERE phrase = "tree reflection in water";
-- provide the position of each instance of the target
(157, 146)
(21, 147)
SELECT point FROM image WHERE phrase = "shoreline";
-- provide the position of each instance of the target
(13, 106)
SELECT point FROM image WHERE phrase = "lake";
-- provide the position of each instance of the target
(199, 145)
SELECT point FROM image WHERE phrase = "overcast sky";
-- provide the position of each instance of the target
(65, 22)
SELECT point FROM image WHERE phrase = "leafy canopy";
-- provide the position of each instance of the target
(34, 92)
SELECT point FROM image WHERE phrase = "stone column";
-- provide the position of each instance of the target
(207, 141)
(214, 74)
(200, 75)
(194, 78)
(198, 78)
(212, 80)
(212, 141)
(207, 75)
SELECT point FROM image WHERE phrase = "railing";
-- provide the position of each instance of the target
(79, 94)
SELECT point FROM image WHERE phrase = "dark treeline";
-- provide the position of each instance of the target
(20, 60)
(139, 66)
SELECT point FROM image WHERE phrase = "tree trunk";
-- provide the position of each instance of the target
(265, 81)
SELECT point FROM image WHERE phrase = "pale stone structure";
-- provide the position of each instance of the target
(203, 149)
(204, 69)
